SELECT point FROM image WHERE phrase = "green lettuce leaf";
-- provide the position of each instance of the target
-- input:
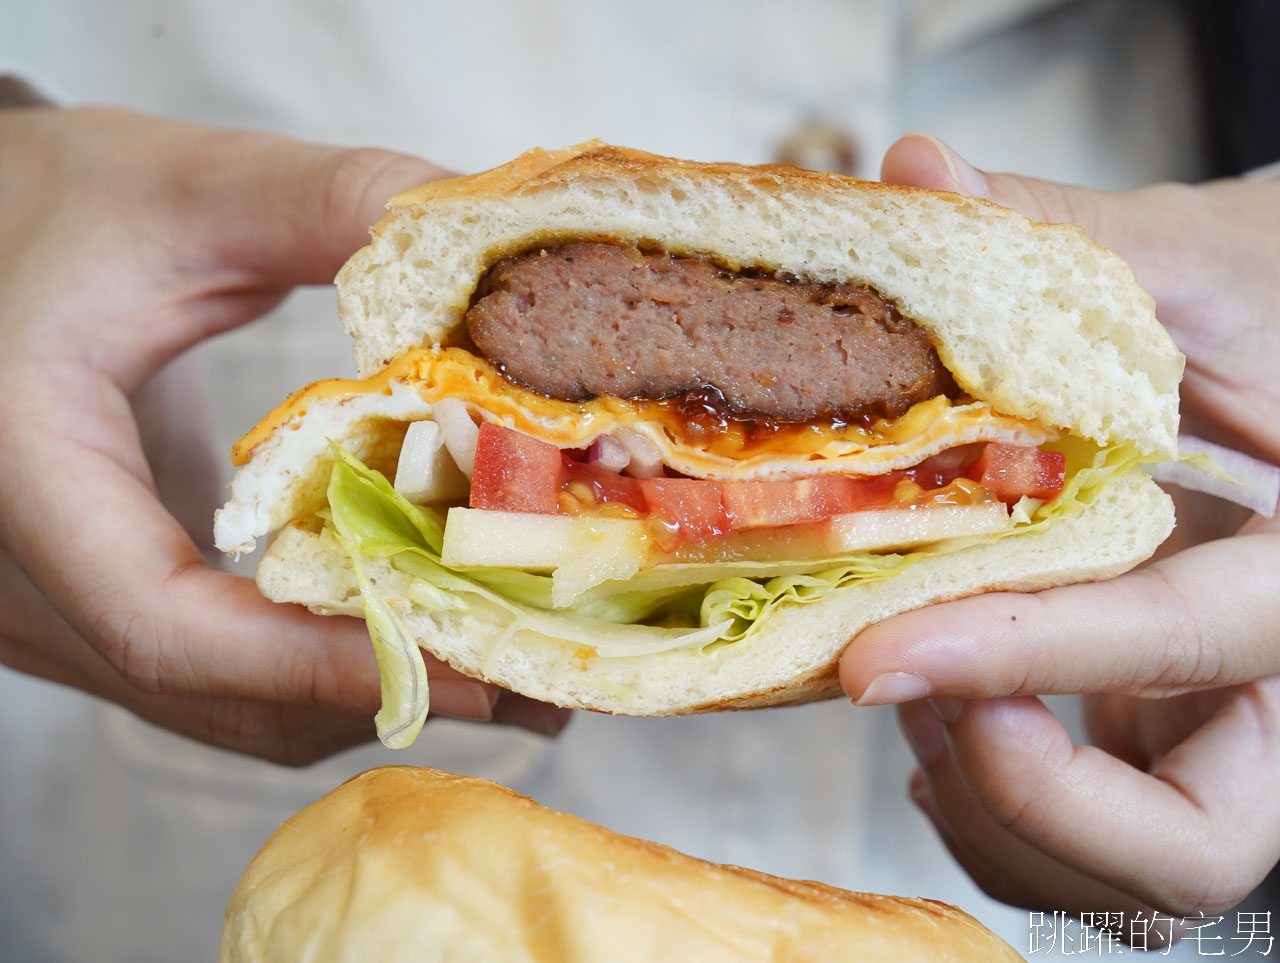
(362, 516)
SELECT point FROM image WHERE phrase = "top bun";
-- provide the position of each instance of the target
(402, 863)
(1035, 319)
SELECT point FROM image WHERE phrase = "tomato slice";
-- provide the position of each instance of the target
(604, 485)
(1012, 471)
(695, 508)
(514, 472)
(517, 473)
(761, 504)
(871, 491)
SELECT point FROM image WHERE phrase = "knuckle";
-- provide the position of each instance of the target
(140, 643)
(131, 644)
(1075, 205)
(357, 182)
(1054, 203)
(350, 178)
(1210, 883)
(1223, 864)
(1014, 805)
(1186, 664)
(1010, 810)
(1183, 656)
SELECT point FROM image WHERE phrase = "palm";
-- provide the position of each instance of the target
(126, 240)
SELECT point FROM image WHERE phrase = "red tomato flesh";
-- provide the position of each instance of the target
(767, 504)
(694, 507)
(1012, 471)
(605, 485)
(514, 472)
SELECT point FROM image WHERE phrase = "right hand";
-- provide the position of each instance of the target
(126, 240)
(1173, 805)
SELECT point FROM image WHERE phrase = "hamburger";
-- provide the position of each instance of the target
(413, 863)
(651, 436)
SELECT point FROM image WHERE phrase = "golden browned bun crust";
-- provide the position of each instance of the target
(1036, 319)
(404, 863)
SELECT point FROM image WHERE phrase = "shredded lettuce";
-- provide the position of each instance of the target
(687, 606)
(362, 518)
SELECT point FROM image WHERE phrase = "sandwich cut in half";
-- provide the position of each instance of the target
(404, 863)
(651, 436)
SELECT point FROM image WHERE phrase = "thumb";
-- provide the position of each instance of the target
(921, 160)
(1147, 226)
(265, 212)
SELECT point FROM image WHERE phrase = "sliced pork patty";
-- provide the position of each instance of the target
(592, 318)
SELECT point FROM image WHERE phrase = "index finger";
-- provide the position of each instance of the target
(1206, 808)
(1199, 619)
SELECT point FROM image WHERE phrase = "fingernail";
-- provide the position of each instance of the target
(892, 688)
(925, 733)
(464, 700)
(947, 710)
(968, 178)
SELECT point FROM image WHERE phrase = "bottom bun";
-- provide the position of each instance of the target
(404, 863)
(792, 658)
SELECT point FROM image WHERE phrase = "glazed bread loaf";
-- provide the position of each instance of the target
(403, 863)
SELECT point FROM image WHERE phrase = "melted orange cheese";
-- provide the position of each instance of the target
(734, 449)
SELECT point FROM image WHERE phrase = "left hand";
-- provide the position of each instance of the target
(124, 241)
(1173, 807)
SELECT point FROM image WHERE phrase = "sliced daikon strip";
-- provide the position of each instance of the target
(904, 527)
(426, 472)
(477, 536)
(460, 432)
(884, 529)
(581, 551)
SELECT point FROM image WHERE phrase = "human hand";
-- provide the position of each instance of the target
(125, 240)
(1173, 806)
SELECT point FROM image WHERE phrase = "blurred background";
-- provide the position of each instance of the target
(121, 842)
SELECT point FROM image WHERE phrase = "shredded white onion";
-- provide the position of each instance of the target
(460, 432)
(1259, 482)
(426, 472)
(607, 452)
(645, 459)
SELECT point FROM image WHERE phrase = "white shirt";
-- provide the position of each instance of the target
(121, 842)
